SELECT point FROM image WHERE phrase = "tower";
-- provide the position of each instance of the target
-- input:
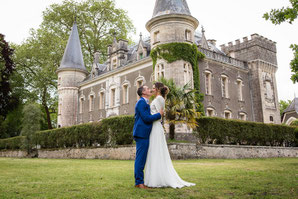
(71, 71)
(172, 22)
(260, 54)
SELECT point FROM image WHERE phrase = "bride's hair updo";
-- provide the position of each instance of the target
(164, 90)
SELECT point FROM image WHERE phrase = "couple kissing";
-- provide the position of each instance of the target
(152, 152)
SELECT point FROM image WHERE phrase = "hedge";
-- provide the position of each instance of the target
(12, 143)
(109, 132)
(222, 131)
(118, 131)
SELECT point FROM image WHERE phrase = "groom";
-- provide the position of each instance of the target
(141, 131)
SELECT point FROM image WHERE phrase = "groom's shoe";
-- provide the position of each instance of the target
(142, 186)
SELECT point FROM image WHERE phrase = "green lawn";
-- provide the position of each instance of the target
(46, 178)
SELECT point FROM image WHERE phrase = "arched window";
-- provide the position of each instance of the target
(208, 76)
(113, 97)
(187, 73)
(210, 112)
(239, 88)
(159, 71)
(227, 114)
(91, 102)
(242, 116)
(224, 86)
(102, 99)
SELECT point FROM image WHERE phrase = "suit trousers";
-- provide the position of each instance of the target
(140, 161)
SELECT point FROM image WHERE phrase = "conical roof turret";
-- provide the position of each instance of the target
(73, 56)
(164, 7)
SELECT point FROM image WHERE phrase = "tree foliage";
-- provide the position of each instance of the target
(30, 124)
(294, 64)
(180, 106)
(283, 105)
(288, 14)
(98, 21)
(6, 69)
(38, 58)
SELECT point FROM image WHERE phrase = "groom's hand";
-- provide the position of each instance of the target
(161, 112)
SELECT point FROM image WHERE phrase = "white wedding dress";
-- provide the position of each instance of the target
(159, 170)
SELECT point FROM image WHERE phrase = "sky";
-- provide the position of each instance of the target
(223, 20)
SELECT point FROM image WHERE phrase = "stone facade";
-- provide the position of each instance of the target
(238, 80)
(177, 151)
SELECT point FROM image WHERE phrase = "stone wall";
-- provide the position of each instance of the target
(177, 151)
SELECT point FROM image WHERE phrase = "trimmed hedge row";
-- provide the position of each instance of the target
(12, 143)
(109, 132)
(222, 131)
(118, 131)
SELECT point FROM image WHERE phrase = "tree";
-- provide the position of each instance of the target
(283, 105)
(6, 69)
(38, 58)
(289, 14)
(294, 63)
(30, 124)
(181, 106)
(98, 21)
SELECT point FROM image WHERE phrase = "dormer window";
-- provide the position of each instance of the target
(141, 55)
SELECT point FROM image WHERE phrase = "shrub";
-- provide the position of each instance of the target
(12, 143)
(30, 125)
(119, 129)
(222, 131)
(84, 135)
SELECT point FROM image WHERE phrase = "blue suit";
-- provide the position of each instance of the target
(141, 132)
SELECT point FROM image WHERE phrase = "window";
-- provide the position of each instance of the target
(224, 86)
(187, 74)
(271, 119)
(59, 81)
(101, 100)
(91, 102)
(81, 104)
(156, 37)
(125, 94)
(113, 97)
(60, 107)
(239, 85)
(210, 112)
(227, 114)
(187, 35)
(114, 64)
(208, 82)
(139, 84)
(159, 71)
(242, 116)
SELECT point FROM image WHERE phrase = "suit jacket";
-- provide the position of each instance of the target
(143, 119)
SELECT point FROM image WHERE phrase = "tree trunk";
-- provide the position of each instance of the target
(172, 131)
(45, 106)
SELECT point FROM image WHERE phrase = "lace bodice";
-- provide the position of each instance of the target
(157, 104)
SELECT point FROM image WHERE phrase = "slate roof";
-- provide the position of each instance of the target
(73, 57)
(293, 106)
(163, 7)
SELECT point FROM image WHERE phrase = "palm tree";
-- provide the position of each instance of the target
(181, 106)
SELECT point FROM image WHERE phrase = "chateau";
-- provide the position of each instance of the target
(237, 80)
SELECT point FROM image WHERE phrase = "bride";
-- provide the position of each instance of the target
(159, 170)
